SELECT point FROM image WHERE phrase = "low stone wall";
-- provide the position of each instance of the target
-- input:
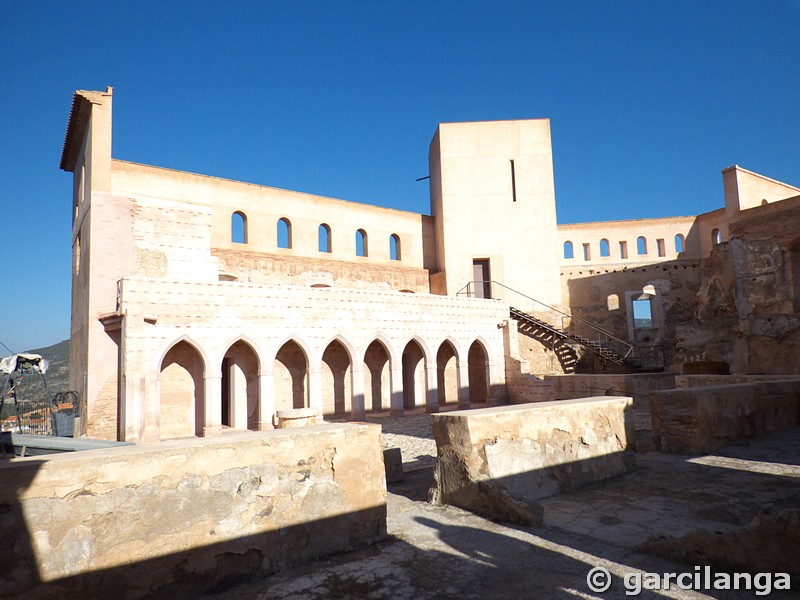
(701, 419)
(499, 461)
(188, 517)
(523, 388)
(687, 381)
(636, 385)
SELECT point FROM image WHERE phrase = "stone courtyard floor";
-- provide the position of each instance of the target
(444, 552)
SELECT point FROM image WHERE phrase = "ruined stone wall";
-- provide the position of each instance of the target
(689, 381)
(702, 419)
(500, 461)
(638, 386)
(747, 312)
(599, 296)
(181, 518)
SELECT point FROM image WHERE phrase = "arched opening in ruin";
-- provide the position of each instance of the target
(240, 396)
(284, 233)
(394, 247)
(478, 361)
(414, 387)
(325, 244)
(569, 251)
(361, 243)
(605, 249)
(377, 388)
(181, 392)
(239, 228)
(716, 236)
(680, 243)
(337, 391)
(447, 374)
(641, 245)
(291, 375)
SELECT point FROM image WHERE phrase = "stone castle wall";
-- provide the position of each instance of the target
(179, 518)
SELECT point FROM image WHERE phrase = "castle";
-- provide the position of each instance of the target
(201, 305)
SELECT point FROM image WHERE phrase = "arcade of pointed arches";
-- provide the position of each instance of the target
(242, 388)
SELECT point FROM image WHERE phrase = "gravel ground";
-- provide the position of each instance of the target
(412, 434)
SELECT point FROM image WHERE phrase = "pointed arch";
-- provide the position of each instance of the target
(377, 359)
(478, 368)
(166, 346)
(290, 375)
(240, 395)
(447, 380)
(414, 360)
(337, 390)
(181, 391)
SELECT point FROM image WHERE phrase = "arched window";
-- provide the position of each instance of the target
(284, 233)
(680, 243)
(238, 228)
(324, 238)
(361, 243)
(394, 247)
(568, 251)
(716, 236)
(604, 249)
(641, 245)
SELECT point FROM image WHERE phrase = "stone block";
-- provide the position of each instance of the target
(180, 518)
(500, 461)
(393, 462)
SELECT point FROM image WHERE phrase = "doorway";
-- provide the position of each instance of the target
(481, 278)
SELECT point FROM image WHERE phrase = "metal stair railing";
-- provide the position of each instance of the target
(590, 335)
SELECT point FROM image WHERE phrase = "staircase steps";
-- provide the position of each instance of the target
(559, 341)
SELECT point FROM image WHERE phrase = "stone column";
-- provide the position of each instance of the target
(432, 393)
(463, 385)
(396, 386)
(266, 399)
(238, 397)
(212, 409)
(492, 384)
(358, 410)
(315, 389)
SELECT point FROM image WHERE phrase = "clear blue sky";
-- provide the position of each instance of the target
(648, 101)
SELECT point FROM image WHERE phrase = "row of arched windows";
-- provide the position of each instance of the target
(324, 236)
(641, 247)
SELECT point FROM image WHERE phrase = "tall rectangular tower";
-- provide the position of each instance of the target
(493, 201)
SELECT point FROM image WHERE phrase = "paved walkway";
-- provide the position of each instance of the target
(444, 552)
